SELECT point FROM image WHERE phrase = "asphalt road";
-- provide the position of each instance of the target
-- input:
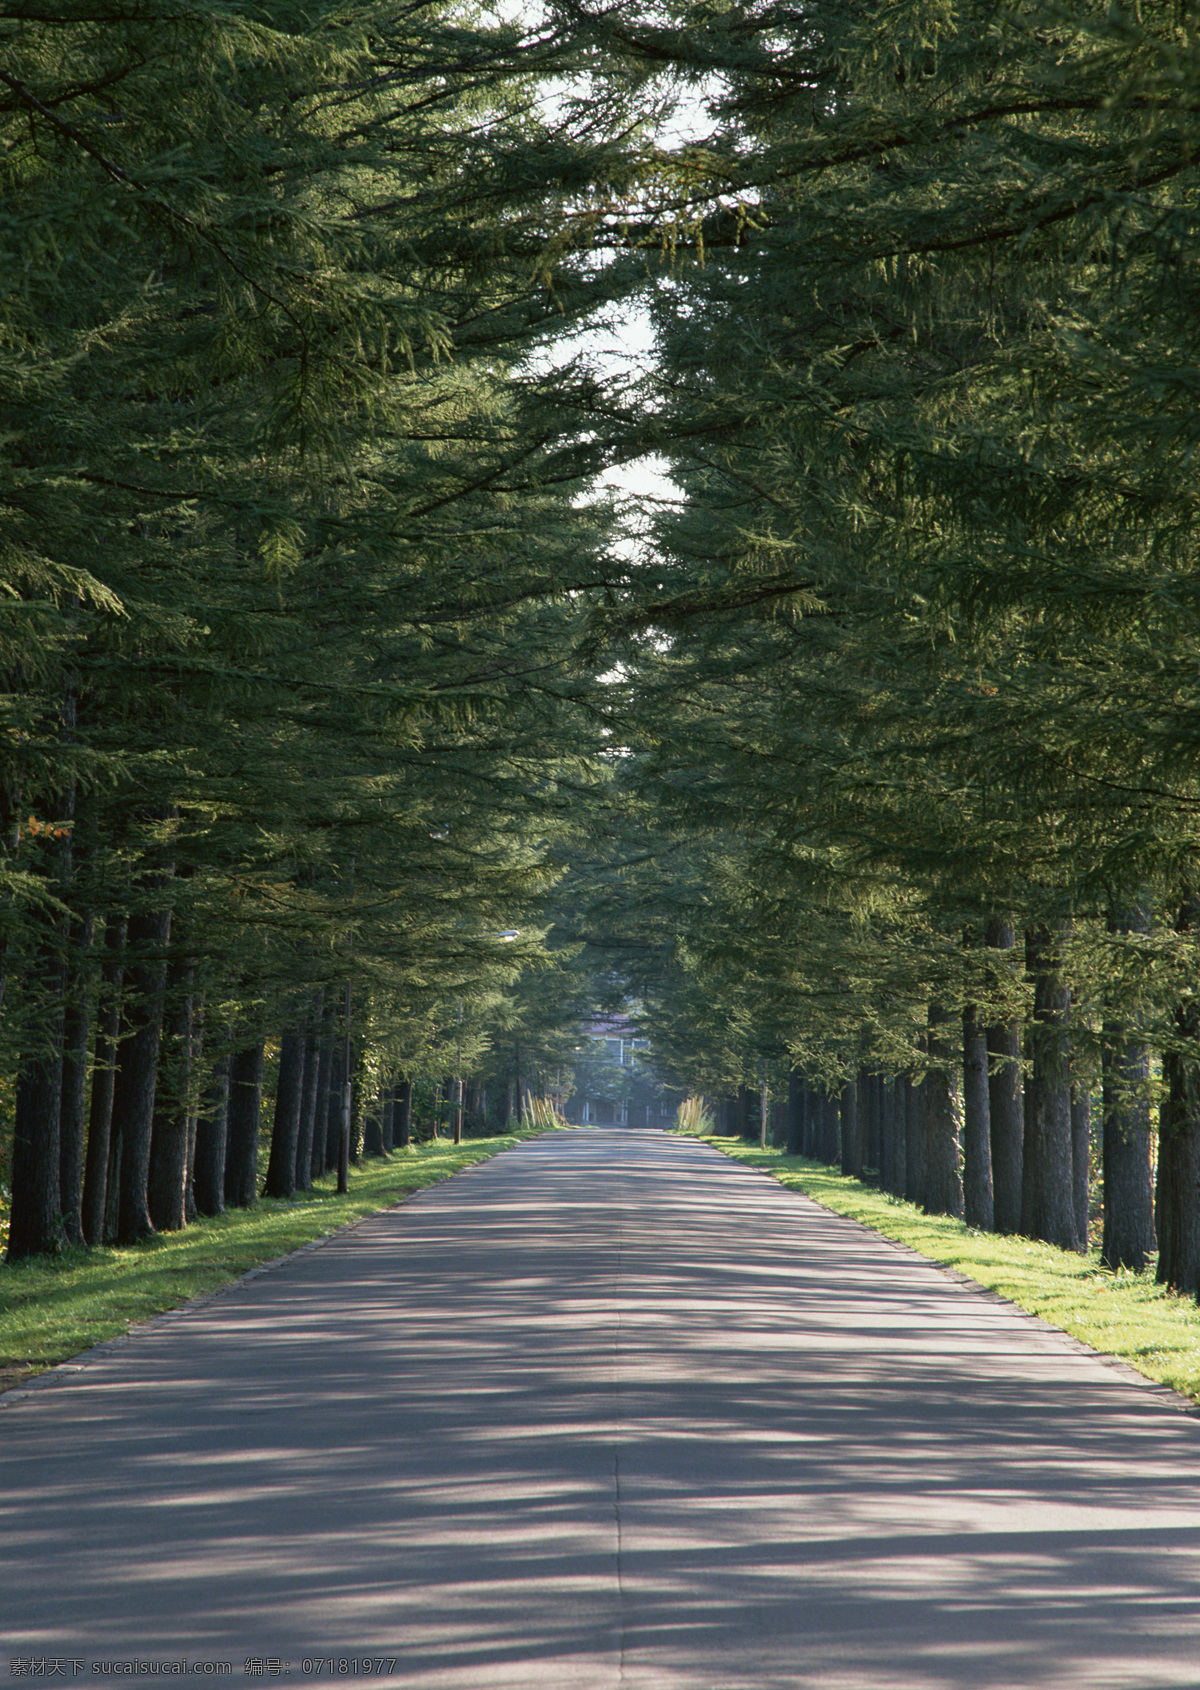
(608, 1412)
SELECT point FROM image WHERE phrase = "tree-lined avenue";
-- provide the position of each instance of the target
(608, 1411)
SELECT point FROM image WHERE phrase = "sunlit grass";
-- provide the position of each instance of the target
(1121, 1314)
(53, 1307)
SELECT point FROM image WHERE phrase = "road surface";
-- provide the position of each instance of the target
(608, 1412)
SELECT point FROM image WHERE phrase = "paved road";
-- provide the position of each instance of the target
(606, 1413)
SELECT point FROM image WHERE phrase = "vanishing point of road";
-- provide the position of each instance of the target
(608, 1412)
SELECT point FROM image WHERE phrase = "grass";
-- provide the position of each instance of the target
(1120, 1314)
(54, 1307)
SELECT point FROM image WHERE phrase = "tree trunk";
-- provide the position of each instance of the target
(167, 1181)
(309, 1102)
(851, 1143)
(387, 1122)
(796, 1101)
(195, 1060)
(373, 1125)
(977, 1145)
(1047, 1198)
(137, 1068)
(1006, 1103)
(321, 1118)
(72, 1120)
(241, 1144)
(208, 1178)
(104, 1061)
(873, 1137)
(35, 1225)
(917, 1160)
(940, 1126)
(333, 1118)
(404, 1115)
(289, 1101)
(1178, 1192)
(1125, 1152)
(1081, 1162)
(905, 1109)
(1177, 1195)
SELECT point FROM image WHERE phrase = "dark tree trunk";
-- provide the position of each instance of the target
(104, 1061)
(289, 1101)
(137, 1068)
(195, 1061)
(887, 1135)
(814, 1121)
(1081, 1162)
(1006, 1104)
(917, 1160)
(72, 1120)
(208, 1180)
(851, 1143)
(373, 1126)
(167, 1182)
(404, 1115)
(831, 1128)
(321, 1118)
(905, 1107)
(241, 1144)
(940, 1122)
(309, 1103)
(862, 1113)
(35, 1226)
(1177, 1195)
(1047, 1198)
(877, 1106)
(333, 1120)
(977, 1144)
(796, 1099)
(1177, 1198)
(387, 1125)
(1125, 1151)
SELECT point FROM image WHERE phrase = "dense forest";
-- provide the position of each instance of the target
(361, 741)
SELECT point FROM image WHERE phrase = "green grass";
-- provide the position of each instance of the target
(53, 1307)
(1120, 1314)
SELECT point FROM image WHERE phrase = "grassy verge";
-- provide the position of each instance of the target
(53, 1307)
(1121, 1314)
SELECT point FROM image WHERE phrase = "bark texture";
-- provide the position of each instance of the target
(242, 1122)
(851, 1142)
(167, 1184)
(977, 1126)
(208, 1174)
(72, 1120)
(796, 1099)
(1125, 1153)
(404, 1115)
(1047, 1195)
(1081, 1162)
(137, 1068)
(1006, 1103)
(940, 1127)
(289, 1103)
(104, 1061)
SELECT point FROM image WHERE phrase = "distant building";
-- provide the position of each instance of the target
(614, 1084)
